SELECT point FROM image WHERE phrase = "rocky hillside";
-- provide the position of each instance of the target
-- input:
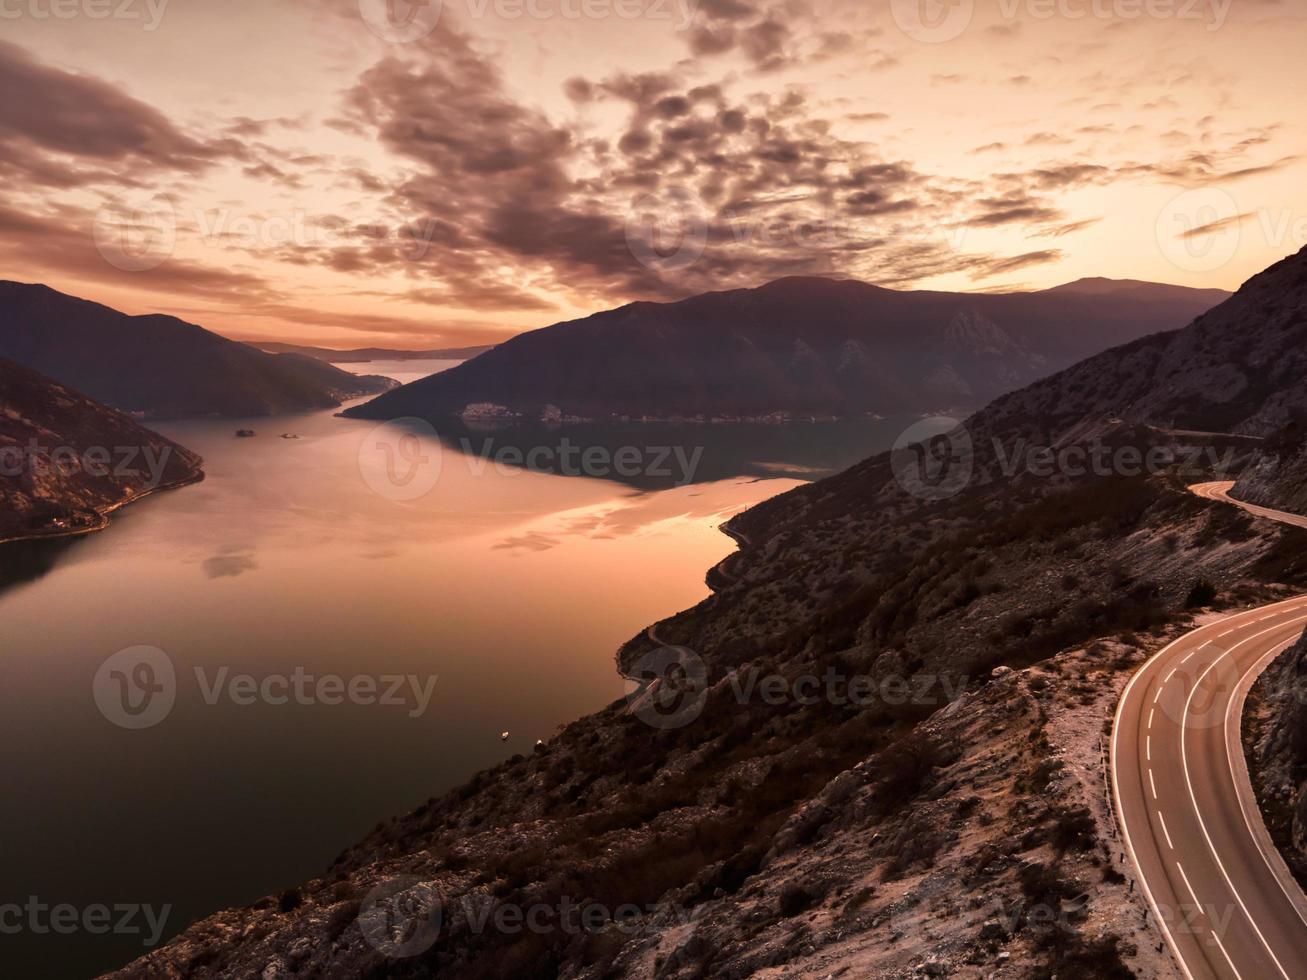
(1278, 753)
(159, 366)
(1240, 368)
(1277, 478)
(67, 462)
(801, 346)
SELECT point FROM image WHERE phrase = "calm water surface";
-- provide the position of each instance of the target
(511, 588)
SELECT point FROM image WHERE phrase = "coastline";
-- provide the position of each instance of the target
(105, 514)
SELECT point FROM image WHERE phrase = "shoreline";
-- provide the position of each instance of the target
(105, 514)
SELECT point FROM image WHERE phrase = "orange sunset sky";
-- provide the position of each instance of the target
(363, 172)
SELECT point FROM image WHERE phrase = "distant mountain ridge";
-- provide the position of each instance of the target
(360, 355)
(1240, 368)
(159, 366)
(801, 346)
(66, 461)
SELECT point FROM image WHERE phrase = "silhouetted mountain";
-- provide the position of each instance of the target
(158, 365)
(364, 354)
(801, 346)
(67, 462)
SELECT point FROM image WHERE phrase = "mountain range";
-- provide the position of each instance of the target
(797, 346)
(158, 366)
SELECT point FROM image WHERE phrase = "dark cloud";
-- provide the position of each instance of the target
(1058, 231)
(1002, 266)
(1210, 227)
(48, 111)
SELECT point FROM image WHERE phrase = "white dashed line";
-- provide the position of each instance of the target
(1151, 712)
(1193, 799)
(1162, 820)
(1221, 947)
(1192, 894)
(1152, 784)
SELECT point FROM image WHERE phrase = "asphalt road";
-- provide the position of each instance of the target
(1227, 904)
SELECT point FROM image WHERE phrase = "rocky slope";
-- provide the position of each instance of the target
(1278, 753)
(874, 751)
(67, 462)
(1240, 368)
(798, 346)
(159, 366)
(1277, 478)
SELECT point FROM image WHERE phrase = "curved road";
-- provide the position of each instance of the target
(1227, 904)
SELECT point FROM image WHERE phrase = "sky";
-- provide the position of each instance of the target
(378, 173)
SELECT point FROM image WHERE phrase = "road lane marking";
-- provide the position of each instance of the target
(1151, 712)
(1192, 894)
(1193, 798)
(1141, 673)
(1119, 805)
(1152, 784)
(1162, 820)
(1221, 946)
(1272, 654)
(1148, 747)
